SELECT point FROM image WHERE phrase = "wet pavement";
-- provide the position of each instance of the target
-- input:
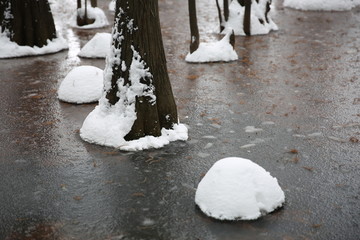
(300, 85)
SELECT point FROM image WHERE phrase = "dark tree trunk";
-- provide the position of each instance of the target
(247, 17)
(93, 3)
(194, 31)
(138, 23)
(267, 10)
(226, 10)
(220, 16)
(78, 4)
(30, 22)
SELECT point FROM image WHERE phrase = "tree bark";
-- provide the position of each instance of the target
(31, 22)
(220, 16)
(93, 3)
(226, 10)
(194, 31)
(247, 17)
(137, 22)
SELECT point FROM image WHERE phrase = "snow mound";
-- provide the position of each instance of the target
(9, 49)
(213, 52)
(83, 84)
(236, 19)
(322, 5)
(112, 6)
(93, 13)
(108, 128)
(238, 189)
(97, 47)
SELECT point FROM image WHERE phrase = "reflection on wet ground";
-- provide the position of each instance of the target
(290, 104)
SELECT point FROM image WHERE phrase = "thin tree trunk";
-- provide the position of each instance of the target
(247, 17)
(226, 10)
(78, 4)
(220, 16)
(139, 25)
(194, 31)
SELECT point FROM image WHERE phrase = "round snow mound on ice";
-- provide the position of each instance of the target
(83, 84)
(97, 47)
(238, 189)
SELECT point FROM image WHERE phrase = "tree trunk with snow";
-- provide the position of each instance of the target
(27, 22)
(137, 44)
(194, 31)
(82, 18)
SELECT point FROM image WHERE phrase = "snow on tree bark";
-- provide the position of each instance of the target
(136, 72)
(27, 22)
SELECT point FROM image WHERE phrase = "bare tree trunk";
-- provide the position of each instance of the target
(220, 16)
(138, 23)
(194, 31)
(93, 3)
(78, 4)
(226, 10)
(31, 24)
(247, 17)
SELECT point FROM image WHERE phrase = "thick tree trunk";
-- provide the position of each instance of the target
(138, 26)
(30, 22)
(194, 31)
(247, 17)
(93, 3)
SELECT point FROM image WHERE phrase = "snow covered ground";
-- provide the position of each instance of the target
(238, 189)
(83, 84)
(322, 5)
(97, 47)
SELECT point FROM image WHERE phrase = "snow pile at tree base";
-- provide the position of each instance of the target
(92, 13)
(238, 189)
(236, 20)
(221, 51)
(9, 49)
(97, 47)
(83, 84)
(108, 127)
(322, 5)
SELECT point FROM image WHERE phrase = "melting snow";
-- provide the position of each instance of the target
(97, 47)
(252, 129)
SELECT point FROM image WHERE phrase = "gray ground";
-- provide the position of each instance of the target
(305, 78)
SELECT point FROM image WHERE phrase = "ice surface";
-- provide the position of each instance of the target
(83, 84)
(238, 189)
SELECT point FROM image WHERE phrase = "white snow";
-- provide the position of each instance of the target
(322, 5)
(238, 189)
(252, 129)
(83, 84)
(92, 13)
(97, 47)
(112, 6)
(236, 19)
(214, 52)
(108, 124)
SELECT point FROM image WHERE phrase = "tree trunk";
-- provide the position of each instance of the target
(226, 10)
(30, 22)
(137, 29)
(194, 31)
(247, 17)
(220, 16)
(93, 3)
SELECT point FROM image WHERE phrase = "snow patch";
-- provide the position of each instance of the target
(92, 13)
(252, 129)
(97, 47)
(213, 52)
(9, 49)
(238, 189)
(236, 19)
(83, 84)
(322, 5)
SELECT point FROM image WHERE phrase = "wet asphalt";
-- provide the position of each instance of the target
(300, 84)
